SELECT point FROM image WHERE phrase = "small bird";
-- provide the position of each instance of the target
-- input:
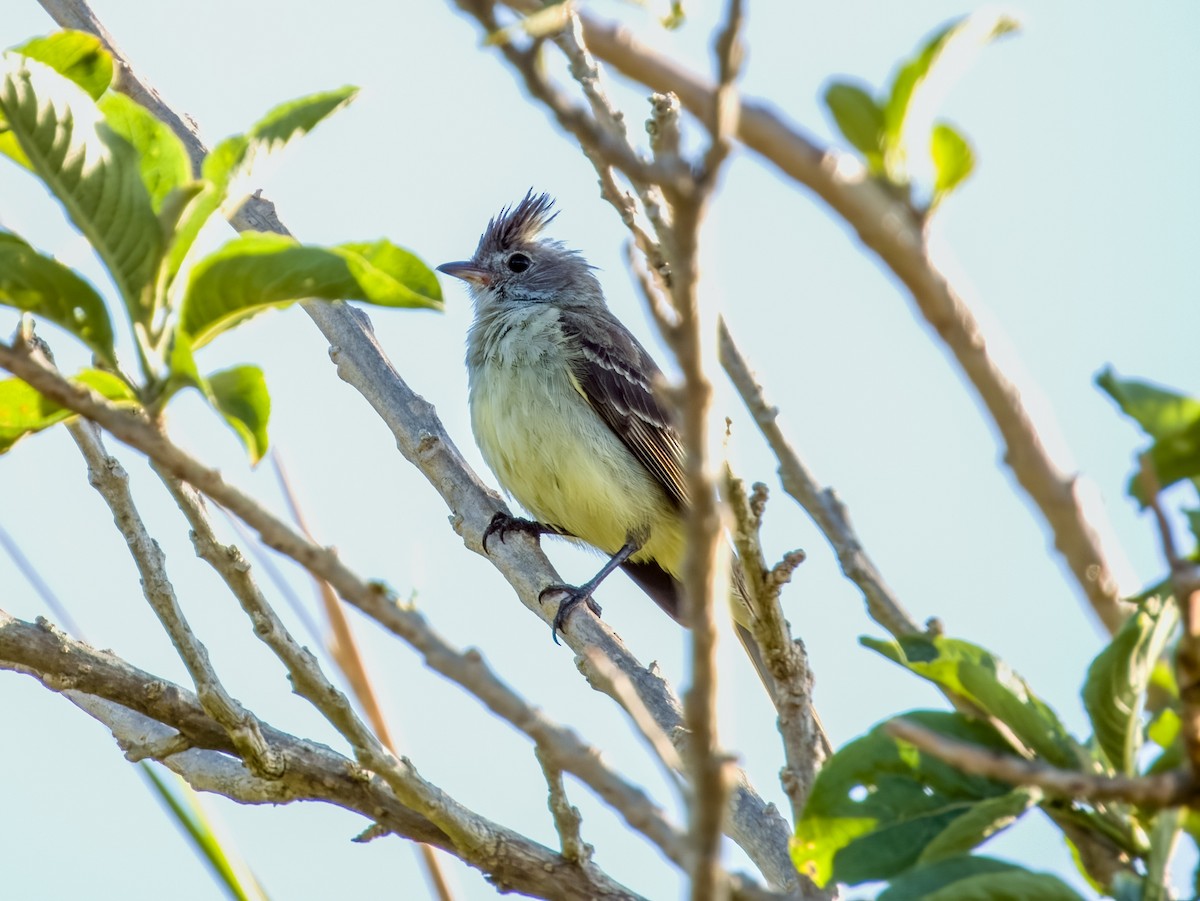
(564, 410)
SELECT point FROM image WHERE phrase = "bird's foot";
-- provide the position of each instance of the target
(502, 523)
(575, 595)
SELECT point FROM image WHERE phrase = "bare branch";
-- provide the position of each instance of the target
(311, 771)
(567, 818)
(805, 744)
(1161, 790)
(109, 478)
(821, 505)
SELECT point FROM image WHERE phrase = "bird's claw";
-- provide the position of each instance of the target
(575, 596)
(502, 523)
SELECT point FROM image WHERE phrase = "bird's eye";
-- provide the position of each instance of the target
(519, 262)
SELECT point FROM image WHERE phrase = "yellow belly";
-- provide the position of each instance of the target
(559, 460)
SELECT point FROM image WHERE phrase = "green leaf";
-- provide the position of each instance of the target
(23, 410)
(1161, 412)
(76, 55)
(975, 675)
(977, 879)
(234, 155)
(183, 805)
(393, 276)
(255, 271)
(240, 395)
(1171, 418)
(299, 116)
(979, 823)
(953, 160)
(41, 285)
(216, 174)
(181, 365)
(859, 119)
(1193, 518)
(11, 147)
(879, 804)
(1114, 692)
(163, 161)
(924, 79)
(91, 169)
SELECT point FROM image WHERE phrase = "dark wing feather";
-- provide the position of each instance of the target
(616, 375)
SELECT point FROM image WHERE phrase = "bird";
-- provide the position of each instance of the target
(564, 409)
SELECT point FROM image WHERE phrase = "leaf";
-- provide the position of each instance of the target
(1117, 680)
(23, 410)
(879, 804)
(41, 285)
(76, 55)
(91, 169)
(240, 395)
(975, 675)
(163, 161)
(11, 147)
(953, 160)
(1193, 518)
(1161, 412)
(1171, 418)
(924, 79)
(299, 116)
(394, 276)
(257, 271)
(977, 879)
(182, 803)
(216, 174)
(980, 823)
(235, 154)
(859, 119)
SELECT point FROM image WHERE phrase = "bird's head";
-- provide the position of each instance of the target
(512, 265)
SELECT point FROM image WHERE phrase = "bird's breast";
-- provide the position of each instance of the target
(549, 448)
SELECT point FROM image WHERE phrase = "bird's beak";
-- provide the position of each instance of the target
(466, 271)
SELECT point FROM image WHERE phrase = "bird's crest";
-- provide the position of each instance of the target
(517, 225)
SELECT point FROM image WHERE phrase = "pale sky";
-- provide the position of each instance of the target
(1073, 238)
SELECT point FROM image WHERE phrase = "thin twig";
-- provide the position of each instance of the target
(805, 744)
(567, 818)
(821, 505)
(1185, 576)
(110, 480)
(1161, 790)
(703, 525)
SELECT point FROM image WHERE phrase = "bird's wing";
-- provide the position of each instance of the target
(616, 374)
